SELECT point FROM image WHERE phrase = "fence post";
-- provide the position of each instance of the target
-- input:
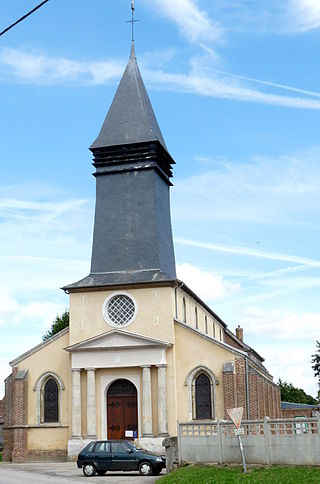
(266, 432)
(179, 442)
(219, 432)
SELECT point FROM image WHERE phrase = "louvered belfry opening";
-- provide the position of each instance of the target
(51, 401)
(203, 398)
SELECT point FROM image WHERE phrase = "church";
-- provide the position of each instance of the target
(142, 350)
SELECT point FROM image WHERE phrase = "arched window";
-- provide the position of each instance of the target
(184, 311)
(213, 329)
(51, 401)
(203, 398)
(48, 388)
(201, 383)
(196, 317)
(206, 324)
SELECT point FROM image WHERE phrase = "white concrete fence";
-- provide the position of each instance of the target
(268, 441)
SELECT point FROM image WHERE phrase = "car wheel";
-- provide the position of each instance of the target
(89, 470)
(145, 469)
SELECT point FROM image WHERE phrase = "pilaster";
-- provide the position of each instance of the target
(76, 404)
(91, 404)
(146, 402)
(162, 401)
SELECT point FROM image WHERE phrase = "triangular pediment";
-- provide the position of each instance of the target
(117, 339)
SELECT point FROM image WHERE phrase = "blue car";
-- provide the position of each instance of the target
(101, 456)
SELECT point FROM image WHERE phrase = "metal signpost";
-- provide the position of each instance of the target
(236, 416)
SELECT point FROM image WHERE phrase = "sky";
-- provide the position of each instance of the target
(235, 88)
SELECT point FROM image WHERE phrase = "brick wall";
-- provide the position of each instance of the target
(232, 342)
(1, 410)
(15, 416)
(1, 420)
(264, 396)
(229, 389)
(297, 412)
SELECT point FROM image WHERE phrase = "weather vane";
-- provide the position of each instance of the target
(133, 20)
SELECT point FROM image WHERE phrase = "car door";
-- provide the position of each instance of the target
(102, 456)
(123, 457)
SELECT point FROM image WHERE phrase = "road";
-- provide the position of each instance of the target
(63, 472)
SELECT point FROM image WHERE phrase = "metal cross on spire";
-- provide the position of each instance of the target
(133, 20)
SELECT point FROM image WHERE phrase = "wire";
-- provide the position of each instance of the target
(24, 17)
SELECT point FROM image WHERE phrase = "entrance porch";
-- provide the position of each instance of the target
(116, 370)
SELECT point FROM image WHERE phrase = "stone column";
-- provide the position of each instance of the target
(76, 404)
(162, 401)
(146, 402)
(91, 404)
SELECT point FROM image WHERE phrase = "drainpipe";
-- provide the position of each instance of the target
(247, 390)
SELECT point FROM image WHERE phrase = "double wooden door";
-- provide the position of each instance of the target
(122, 411)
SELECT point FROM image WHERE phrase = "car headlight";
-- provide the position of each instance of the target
(159, 459)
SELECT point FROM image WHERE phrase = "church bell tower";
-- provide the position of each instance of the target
(132, 239)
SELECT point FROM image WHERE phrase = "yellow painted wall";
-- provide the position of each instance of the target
(213, 326)
(48, 439)
(154, 316)
(192, 350)
(155, 319)
(51, 357)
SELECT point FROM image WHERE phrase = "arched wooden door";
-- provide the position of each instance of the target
(122, 410)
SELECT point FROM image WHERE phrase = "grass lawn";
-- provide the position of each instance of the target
(234, 474)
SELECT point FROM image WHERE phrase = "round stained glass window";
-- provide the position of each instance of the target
(119, 310)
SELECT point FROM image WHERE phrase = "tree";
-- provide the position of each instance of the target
(58, 325)
(315, 359)
(289, 393)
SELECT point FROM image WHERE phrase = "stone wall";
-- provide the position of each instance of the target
(267, 441)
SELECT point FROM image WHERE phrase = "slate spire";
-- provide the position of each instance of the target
(132, 238)
(130, 118)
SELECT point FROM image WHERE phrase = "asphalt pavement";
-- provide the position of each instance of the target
(63, 472)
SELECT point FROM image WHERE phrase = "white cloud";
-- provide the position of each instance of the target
(8, 305)
(292, 363)
(43, 235)
(217, 86)
(37, 313)
(284, 87)
(25, 67)
(207, 285)
(248, 251)
(281, 191)
(46, 211)
(280, 324)
(193, 22)
(304, 14)
(15, 346)
(39, 68)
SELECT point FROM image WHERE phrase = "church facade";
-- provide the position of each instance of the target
(142, 350)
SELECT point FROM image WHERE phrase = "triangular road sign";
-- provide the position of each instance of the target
(236, 415)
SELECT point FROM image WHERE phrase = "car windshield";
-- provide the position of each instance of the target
(132, 446)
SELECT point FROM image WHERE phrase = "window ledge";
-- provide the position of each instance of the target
(48, 425)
